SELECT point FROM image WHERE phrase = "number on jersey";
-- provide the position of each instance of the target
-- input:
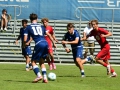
(37, 30)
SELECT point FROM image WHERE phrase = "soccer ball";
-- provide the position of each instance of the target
(51, 76)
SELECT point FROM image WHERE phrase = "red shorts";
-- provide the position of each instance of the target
(50, 48)
(104, 54)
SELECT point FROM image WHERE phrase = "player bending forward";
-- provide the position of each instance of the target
(37, 32)
(73, 38)
(103, 56)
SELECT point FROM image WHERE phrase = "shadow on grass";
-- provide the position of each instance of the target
(18, 81)
(79, 76)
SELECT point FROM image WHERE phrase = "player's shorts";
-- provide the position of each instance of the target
(77, 52)
(40, 51)
(26, 51)
(50, 48)
(104, 54)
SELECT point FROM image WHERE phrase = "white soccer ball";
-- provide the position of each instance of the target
(51, 76)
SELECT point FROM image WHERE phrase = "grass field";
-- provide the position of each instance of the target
(14, 77)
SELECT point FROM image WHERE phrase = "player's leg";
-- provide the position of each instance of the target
(52, 59)
(6, 21)
(43, 68)
(86, 49)
(27, 62)
(92, 51)
(113, 73)
(36, 71)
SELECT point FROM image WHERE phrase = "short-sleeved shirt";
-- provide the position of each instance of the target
(72, 37)
(22, 30)
(87, 31)
(49, 29)
(97, 35)
(36, 31)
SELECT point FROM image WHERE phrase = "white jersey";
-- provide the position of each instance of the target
(87, 31)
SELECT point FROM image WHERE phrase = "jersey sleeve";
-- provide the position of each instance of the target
(64, 37)
(103, 31)
(52, 31)
(77, 34)
(26, 30)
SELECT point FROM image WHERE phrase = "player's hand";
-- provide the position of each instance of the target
(67, 50)
(64, 42)
(16, 42)
(56, 40)
(54, 45)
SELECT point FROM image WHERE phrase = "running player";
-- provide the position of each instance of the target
(50, 58)
(74, 40)
(37, 32)
(27, 50)
(103, 56)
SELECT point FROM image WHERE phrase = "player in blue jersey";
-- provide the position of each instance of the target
(72, 37)
(37, 32)
(27, 50)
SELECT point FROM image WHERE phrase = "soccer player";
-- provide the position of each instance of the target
(72, 37)
(103, 56)
(37, 32)
(49, 29)
(27, 50)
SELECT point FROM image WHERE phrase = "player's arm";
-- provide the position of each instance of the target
(16, 41)
(64, 45)
(53, 36)
(106, 35)
(71, 42)
(29, 41)
(47, 33)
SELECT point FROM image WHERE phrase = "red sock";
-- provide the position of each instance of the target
(112, 70)
(105, 65)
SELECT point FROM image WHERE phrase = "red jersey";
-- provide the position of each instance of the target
(50, 30)
(97, 35)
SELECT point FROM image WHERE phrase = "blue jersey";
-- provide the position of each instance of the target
(36, 31)
(72, 37)
(22, 30)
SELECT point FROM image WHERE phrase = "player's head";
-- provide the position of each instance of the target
(24, 22)
(94, 24)
(45, 21)
(33, 17)
(4, 11)
(70, 28)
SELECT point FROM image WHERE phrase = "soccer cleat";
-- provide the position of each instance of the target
(27, 69)
(92, 59)
(50, 66)
(45, 81)
(54, 66)
(37, 79)
(108, 69)
(82, 76)
(113, 75)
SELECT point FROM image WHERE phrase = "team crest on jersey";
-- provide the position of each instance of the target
(97, 37)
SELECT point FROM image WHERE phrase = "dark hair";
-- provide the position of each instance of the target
(24, 20)
(44, 19)
(4, 10)
(33, 16)
(96, 21)
(69, 26)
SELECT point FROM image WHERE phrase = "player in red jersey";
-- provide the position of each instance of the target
(50, 58)
(103, 56)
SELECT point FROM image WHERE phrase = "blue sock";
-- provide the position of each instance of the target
(36, 69)
(44, 73)
(88, 59)
(82, 72)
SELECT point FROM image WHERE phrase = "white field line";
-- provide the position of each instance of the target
(57, 63)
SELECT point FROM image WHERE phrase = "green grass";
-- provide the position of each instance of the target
(14, 77)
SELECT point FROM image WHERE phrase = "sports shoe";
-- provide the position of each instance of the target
(1, 29)
(113, 75)
(54, 66)
(5, 29)
(37, 79)
(82, 76)
(27, 69)
(50, 66)
(108, 69)
(92, 59)
(45, 81)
